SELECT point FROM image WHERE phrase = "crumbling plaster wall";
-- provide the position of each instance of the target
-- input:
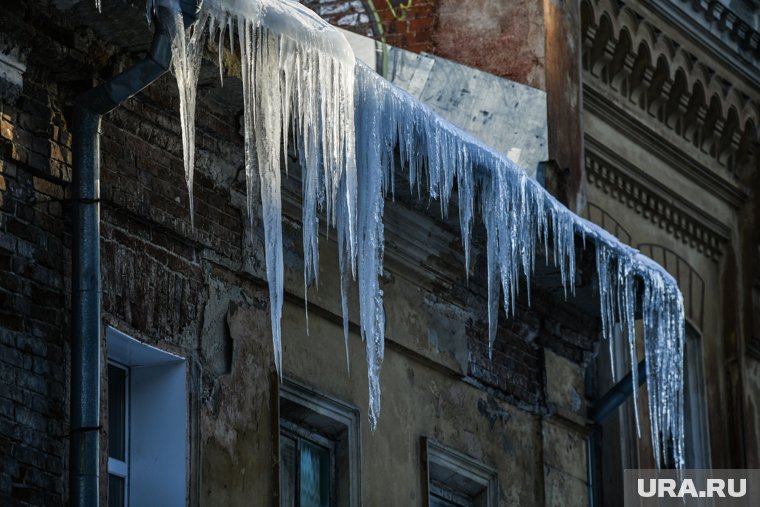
(540, 460)
(208, 303)
(200, 293)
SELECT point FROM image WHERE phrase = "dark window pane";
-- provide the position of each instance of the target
(315, 475)
(440, 502)
(117, 391)
(444, 495)
(115, 491)
(287, 471)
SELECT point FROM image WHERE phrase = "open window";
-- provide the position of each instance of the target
(457, 480)
(320, 455)
(147, 424)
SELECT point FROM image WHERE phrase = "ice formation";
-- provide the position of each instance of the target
(520, 217)
(187, 50)
(295, 67)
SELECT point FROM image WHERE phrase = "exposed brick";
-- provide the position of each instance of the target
(31, 344)
(31, 419)
(11, 321)
(6, 128)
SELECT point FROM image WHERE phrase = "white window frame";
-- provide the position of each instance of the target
(115, 466)
(156, 428)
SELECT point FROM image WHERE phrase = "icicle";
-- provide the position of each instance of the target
(150, 10)
(345, 261)
(371, 157)
(517, 213)
(663, 318)
(293, 63)
(294, 66)
(187, 50)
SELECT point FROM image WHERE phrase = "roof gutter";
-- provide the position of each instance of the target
(86, 113)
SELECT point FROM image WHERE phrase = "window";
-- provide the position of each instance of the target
(307, 467)
(118, 467)
(319, 449)
(614, 445)
(696, 433)
(455, 479)
(147, 424)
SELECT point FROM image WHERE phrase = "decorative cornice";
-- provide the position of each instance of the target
(702, 108)
(630, 185)
(711, 24)
(681, 161)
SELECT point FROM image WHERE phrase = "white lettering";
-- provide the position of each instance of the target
(667, 486)
(715, 486)
(733, 492)
(688, 489)
(652, 488)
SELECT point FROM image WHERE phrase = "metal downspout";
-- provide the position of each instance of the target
(617, 395)
(86, 112)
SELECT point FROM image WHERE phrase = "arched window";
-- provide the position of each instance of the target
(691, 284)
(607, 222)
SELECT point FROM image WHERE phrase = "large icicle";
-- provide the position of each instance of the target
(515, 209)
(374, 155)
(187, 50)
(294, 65)
(619, 270)
(517, 213)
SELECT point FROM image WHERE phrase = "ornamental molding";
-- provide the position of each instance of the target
(719, 29)
(680, 158)
(701, 107)
(623, 181)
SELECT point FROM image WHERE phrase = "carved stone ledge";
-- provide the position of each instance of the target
(601, 104)
(703, 108)
(728, 25)
(629, 185)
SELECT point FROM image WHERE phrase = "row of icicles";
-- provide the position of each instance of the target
(300, 73)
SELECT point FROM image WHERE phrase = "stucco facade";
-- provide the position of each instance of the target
(200, 294)
(670, 116)
(671, 176)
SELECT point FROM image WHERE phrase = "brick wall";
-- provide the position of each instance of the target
(35, 160)
(152, 257)
(517, 367)
(155, 265)
(410, 29)
(503, 38)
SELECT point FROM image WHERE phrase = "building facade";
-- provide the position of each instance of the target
(665, 101)
(670, 125)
